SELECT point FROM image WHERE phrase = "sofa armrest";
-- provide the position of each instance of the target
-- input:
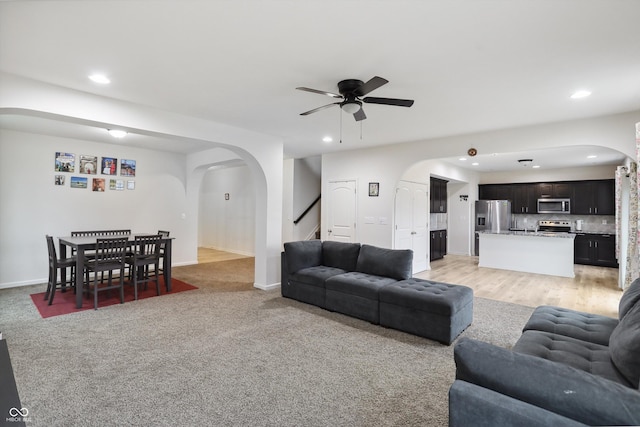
(552, 386)
(472, 405)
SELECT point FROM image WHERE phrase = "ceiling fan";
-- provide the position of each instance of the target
(351, 92)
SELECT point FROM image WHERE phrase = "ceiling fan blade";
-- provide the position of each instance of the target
(359, 115)
(321, 92)
(306, 113)
(371, 85)
(389, 101)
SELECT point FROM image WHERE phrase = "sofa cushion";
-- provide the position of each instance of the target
(576, 324)
(435, 297)
(629, 298)
(340, 255)
(315, 276)
(359, 284)
(624, 346)
(586, 356)
(299, 255)
(394, 263)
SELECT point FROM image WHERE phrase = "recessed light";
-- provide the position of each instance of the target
(592, 156)
(580, 94)
(100, 78)
(327, 139)
(535, 167)
(475, 164)
(117, 133)
(463, 159)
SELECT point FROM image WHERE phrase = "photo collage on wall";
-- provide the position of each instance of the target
(88, 165)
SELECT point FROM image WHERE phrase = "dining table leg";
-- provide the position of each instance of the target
(166, 265)
(79, 276)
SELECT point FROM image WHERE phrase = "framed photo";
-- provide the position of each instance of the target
(131, 185)
(88, 165)
(127, 167)
(109, 166)
(78, 182)
(98, 184)
(65, 162)
(374, 189)
(116, 184)
(59, 180)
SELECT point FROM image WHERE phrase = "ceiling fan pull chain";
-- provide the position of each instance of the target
(360, 130)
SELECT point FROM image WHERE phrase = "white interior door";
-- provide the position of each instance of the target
(404, 217)
(420, 227)
(411, 221)
(342, 211)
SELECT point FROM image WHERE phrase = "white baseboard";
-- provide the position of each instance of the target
(267, 287)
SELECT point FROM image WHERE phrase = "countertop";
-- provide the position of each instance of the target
(533, 234)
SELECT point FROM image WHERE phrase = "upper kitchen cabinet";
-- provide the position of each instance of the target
(593, 197)
(524, 198)
(495, 192)
(554, 190)
(438, 195)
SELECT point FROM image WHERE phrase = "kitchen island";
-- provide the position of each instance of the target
(530, 252)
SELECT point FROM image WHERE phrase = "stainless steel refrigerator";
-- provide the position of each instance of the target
(493, 216)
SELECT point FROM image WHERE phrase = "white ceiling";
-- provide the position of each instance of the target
(470, 65)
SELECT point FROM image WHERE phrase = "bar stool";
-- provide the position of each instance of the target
(56, 264)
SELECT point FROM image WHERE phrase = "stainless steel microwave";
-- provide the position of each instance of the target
(550, 206)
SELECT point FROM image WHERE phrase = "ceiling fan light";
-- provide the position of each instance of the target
(351, 107)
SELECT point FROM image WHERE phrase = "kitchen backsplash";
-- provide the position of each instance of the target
(590, 223)
(438, 221)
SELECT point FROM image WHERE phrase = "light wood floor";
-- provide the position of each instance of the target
(214, 255)
(594, 289)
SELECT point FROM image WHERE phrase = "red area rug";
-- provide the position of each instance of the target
(65, 302)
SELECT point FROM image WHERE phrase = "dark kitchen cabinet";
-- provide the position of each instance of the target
(595, 249)
(495, 192)
(524, 198)
(593, 197)
(438, 195)
(554, 190)
(438, 247)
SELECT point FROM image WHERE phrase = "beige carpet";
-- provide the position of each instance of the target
(227, 354)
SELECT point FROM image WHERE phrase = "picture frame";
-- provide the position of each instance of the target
(65, 162)
(127, 167)
(78, 182)
(88, 164)
(374, 189)
(109, 166)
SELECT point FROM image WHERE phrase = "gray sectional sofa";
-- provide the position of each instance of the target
(374, 284)
(568, 368)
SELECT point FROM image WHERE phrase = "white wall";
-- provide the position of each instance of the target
(541, 175)
(31, 206)
(227, 225)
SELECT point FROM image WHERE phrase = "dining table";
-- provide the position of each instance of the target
(81, 244)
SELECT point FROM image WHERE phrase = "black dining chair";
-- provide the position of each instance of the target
(146, 253)
(165, 235)
(109, 256)
(56, 264)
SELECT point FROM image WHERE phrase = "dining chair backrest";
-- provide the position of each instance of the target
(148, 246)
(163, 233)
(51, 247)
(111, 250)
